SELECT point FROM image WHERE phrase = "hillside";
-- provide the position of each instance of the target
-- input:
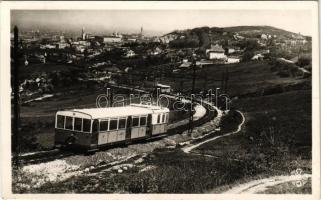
(260, 30)
(201, 37)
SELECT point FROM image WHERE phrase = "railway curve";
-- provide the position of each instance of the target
(174, 128)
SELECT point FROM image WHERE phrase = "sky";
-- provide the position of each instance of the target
(160, 21)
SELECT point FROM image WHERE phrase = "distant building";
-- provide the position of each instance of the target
(127, 69)
(185, 64)
(111, 39)
(141, 33)
(258, 57)
(83, 34)
(216, 52)
(238, 37)
(264, 36)
(202, 63)
(130, 54)
(231, 60)
(131, 39)
(62, 45)
(84, 43)
(90, 37)
(62, 38)
(155, 51)
(233, 49)
(163, 88)
(47, 46)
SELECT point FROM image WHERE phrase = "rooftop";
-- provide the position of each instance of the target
(216, 48)
(114, 112)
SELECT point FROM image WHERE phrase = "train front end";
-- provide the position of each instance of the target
(74, 129)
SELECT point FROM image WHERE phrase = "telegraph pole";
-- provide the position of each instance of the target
(16, 124)
(222, 80)
(205, 71)
(192, 97)
(226, 80)
(180, 89)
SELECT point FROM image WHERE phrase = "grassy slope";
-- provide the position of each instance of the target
(244, 78)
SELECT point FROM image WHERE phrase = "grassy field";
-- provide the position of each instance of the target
(250, 78)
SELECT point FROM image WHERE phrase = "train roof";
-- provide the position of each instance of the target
(113, 112)
(155, 109)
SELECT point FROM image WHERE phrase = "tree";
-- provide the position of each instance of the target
(304, 61)
(247, 56)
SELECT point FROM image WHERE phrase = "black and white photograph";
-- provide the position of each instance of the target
(155, 100)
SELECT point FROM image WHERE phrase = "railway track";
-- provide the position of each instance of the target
(176, 128)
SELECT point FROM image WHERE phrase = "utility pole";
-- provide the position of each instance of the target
(181, 89)
(16, 124)
(226, 80)
(299, 52)
(192, 97)
(154, 77)
(223, 80)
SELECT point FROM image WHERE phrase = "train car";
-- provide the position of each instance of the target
(93, 128)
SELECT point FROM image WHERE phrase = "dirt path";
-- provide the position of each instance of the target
(188, 149)
(255, 186)
(262, 185)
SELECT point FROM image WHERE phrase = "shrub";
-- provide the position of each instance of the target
(247, 56)
(304, 61)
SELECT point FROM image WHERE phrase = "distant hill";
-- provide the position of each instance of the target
(201, 37)
(260, 30)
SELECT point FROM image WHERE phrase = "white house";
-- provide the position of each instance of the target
(233, 60)
(216, 52)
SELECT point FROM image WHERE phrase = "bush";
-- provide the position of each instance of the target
(304, 61)
(247, 56)
(230, 121)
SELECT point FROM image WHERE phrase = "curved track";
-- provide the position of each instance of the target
(175, 128)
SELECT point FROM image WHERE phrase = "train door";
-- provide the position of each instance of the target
(149, 127)
(128, 128)
(94, 137)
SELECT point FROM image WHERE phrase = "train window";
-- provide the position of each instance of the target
(163, 118)
(167, 117)
(135, 121)
(68, 124)
(113, 124)
(95, 126)
(60, 121)
(103, 126)
(77, 124)
(143, 121)
(86, 125)
(158, 119)
(122, 123)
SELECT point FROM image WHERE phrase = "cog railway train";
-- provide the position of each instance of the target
(93, 128)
